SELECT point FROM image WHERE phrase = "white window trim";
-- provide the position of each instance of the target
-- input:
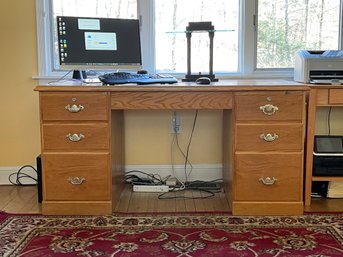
(146, 17)
(247, 38)
(341, 25)
(43, 42)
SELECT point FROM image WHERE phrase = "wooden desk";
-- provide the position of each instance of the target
(263, 142)
(320, 96)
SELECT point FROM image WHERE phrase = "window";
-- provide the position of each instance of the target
(285, 26)
(243, 45)
(171, 19)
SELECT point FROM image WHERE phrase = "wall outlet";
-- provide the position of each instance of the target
(175, 123)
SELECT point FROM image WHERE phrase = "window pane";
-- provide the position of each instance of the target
(284, 26)
(91, 8)
(96, 8)
(171, 48)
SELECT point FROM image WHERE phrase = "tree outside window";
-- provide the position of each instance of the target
(285, 26)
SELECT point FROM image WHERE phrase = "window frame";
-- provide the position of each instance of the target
(247, 41)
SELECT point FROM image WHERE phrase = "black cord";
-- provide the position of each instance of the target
(163, 195)
(183, 154)
(205, 185)
(61, 78)
(151, 180)
(189, 144)
(329, 120)
(201, 182)
(209, 181)
(20, 174)
(133, 179)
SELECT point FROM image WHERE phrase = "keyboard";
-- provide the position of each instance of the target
(141, 79)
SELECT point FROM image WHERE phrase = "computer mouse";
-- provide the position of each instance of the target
(142, 72)
(203, 81)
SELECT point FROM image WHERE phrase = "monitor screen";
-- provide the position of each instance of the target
(98, 43)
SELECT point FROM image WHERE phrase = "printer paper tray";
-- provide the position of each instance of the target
(327, 154)
(327, 81)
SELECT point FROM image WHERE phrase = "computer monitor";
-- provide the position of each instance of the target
(98, 43)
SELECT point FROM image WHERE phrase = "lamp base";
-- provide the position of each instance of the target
(194, 77)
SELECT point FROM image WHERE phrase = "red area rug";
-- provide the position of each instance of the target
(171, 235)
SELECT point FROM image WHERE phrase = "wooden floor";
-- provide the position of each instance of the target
(23, 199)
(19, 199)
(182, 201)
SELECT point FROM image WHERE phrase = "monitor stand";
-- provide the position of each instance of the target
(79, 74)
(82, 76)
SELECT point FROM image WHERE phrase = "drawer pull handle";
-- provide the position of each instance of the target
(269, 109)
(269, 137)
(268, 181)
(75, 137)
(74, 108)
(76, 180)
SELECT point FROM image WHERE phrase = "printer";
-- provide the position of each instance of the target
(319, 67)
(328, 156)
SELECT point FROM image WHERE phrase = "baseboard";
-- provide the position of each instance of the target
(204, 172)
(5, 172)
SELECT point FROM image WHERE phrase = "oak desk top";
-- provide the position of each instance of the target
(222, 85)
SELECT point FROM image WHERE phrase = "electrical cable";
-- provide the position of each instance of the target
(152, 179)
(329, 120)
(163, 195)
(203, 182)
(205, 185)
(189, 144)
(61, 78)
(185, 155)
(135, 180)
(20, 174)
(209, 181)
(176, 141)
(166, 178)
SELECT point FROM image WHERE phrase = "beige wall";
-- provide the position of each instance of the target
(149, 139)
(19, 123)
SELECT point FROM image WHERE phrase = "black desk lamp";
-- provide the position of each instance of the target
(199, 26)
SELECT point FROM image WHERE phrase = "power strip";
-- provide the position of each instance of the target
(150, 188)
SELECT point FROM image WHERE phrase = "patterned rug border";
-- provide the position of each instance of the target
(4, 214)
(22, 224)
(199, 218)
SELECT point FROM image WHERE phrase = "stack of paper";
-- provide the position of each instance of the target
(335, 189)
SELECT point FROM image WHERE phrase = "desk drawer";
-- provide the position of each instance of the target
(285, 168)
(74, 106)
(171, 100)
(76, 177)
(336, 96)
(267, 137)
(270, 106)
(70, 137)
